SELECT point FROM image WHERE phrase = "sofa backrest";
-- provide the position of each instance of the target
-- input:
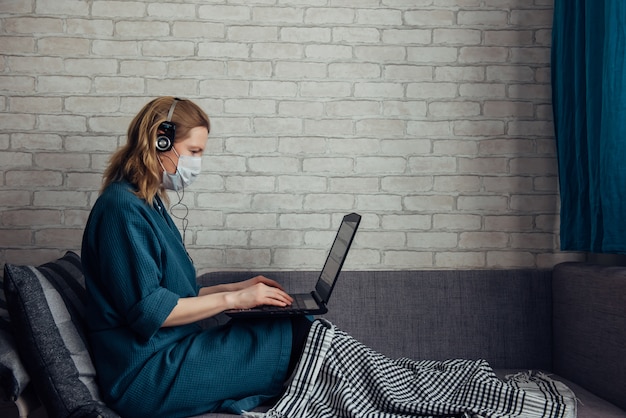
(590, 328)
(503, 316)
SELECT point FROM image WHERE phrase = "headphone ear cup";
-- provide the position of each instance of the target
(163, 143)
(165, 136)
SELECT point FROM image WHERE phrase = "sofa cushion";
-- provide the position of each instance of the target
(47, 305)
(13, 375)
(588, 331)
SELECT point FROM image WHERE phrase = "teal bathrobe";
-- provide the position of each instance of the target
(136, 269)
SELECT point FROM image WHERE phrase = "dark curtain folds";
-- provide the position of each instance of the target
(589, 100)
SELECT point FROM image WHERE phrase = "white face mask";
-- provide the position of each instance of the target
(186, 172)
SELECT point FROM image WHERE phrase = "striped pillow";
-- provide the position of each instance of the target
(47, 309)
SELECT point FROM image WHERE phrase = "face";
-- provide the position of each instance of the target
(192, 145)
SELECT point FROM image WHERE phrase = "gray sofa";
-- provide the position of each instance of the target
(569, 321)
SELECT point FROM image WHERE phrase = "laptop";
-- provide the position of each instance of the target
(314, 303)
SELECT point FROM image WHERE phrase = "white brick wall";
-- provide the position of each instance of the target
(431, 118)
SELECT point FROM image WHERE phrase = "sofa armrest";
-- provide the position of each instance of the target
(589, 328)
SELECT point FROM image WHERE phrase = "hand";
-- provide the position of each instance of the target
(258, 291)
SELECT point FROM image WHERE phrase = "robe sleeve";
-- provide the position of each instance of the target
(128, 239)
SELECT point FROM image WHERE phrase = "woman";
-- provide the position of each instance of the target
(151, 357)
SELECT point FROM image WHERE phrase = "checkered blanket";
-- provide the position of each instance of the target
(340, 377)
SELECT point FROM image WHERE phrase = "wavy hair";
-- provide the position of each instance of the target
(137, 161)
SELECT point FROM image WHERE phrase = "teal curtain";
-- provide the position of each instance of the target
(589, 101)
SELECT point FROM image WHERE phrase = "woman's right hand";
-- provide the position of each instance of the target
(258, 291)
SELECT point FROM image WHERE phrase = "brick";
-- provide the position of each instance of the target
(380, 165)
(334, 202)
(33, 25)
(15, 237)
(329, 15)
(36, 104)
(203, 30)
(223, 50)
(309, 184)
(439, 165)
(108, 124)
(455, 147)
(118, 9)
(454, 109)
(510, 259)
(429, 90)
(273, 89)
(356, 35)
(380, 127)
(245, 69)
(447, 36)
(250, 106)
(143, 68)
(334, 89)
(479, 128)
(63, 46)
(429, 203)
(365, 146)
(60, 198)
(93, 104)
(465, 183)
(349, 185)
(248, 257)
(21, 84)
(381, 17)
(224, 13)
(379, 203)
(380, 53)
(508, 184)
(406, 36)
(271, 237)
(58, 237)
(431, 240)
(482, 203)
(378, 90)
(30, 217)
(407, 184)
(328, 51)
(302, 145)
(354, 71)
(61, 160)
(17, 45)
(35, 141)
(412, 259)
(33, 179)
(102, 27)
(328, 164)
(320, 35)
(277, 125)
(324, 126)
(508, 223)
(222, 238)
(276, 202)
(467, 259)
(89, 66)
(62, 123)
(63, 84)
(300, 70)
(273, 164)
(454, 222)
(300, 108)
(482, 18)
(478, 240)
(258, 184)
(277, 50)
(405, 108)
(141, 29)
(167, 10)
(277, 15)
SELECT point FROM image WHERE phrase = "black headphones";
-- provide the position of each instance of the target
(167, 131)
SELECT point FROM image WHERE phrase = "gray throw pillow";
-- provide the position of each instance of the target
(47, 306)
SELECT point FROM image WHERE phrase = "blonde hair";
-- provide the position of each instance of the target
(137, 162)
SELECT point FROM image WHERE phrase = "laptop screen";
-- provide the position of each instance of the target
(337, 255)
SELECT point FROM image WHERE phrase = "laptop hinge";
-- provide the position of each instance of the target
(317, 298)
